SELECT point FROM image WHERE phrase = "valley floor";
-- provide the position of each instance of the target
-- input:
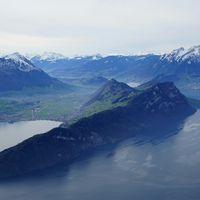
(33, 104)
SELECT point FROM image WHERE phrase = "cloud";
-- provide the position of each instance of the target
(98, 26)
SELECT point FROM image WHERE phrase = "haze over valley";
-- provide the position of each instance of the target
(99, 100)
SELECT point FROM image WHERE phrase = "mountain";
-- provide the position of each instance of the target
(48, 60)
(182, 66)
(188, 84)
(182, 55)
(126, 68)
(21, 63)
(58, 64)
(17, 72)
(111, 94)
(123, 68)
(90, 66)
(182, 63)
(156, 111)
(47, 56)
(156, 80)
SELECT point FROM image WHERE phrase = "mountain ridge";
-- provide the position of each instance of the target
(181, 63)
(153, 109)
(17, 72)
(111, 94)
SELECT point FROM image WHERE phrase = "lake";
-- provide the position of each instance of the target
(165, 169)
(14, 133)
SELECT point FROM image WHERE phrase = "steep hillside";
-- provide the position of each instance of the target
(157, 110)
(110, 95)
(16, 73)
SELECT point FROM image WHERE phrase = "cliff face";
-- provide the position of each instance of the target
(149, 111)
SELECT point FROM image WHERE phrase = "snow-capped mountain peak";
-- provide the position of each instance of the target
(88, 57)
(193, 53)
(175, 55)
(183, 55)
(20, 62)
(15, 56)
(48, 56)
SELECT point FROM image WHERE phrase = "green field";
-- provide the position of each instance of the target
(46, 104)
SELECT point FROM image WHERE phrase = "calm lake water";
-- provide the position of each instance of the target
(167, 170)
(12, 134)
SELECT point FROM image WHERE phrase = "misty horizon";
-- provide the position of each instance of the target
(98, 27)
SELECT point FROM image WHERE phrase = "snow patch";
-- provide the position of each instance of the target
(181, 55)
(22, 63)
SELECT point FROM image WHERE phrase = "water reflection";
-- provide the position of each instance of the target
(165, 169)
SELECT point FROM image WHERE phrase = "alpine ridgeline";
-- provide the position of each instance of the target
(17, 72)
(155, 111)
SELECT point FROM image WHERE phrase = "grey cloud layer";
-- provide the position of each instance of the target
(94, 26)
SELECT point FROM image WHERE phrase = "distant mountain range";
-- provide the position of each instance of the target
(51, 62)
(17, 72)
(178, 61)
(182, 64)
(182, 55)
(157, 110)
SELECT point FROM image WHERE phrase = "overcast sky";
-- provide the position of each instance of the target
(77, 27)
